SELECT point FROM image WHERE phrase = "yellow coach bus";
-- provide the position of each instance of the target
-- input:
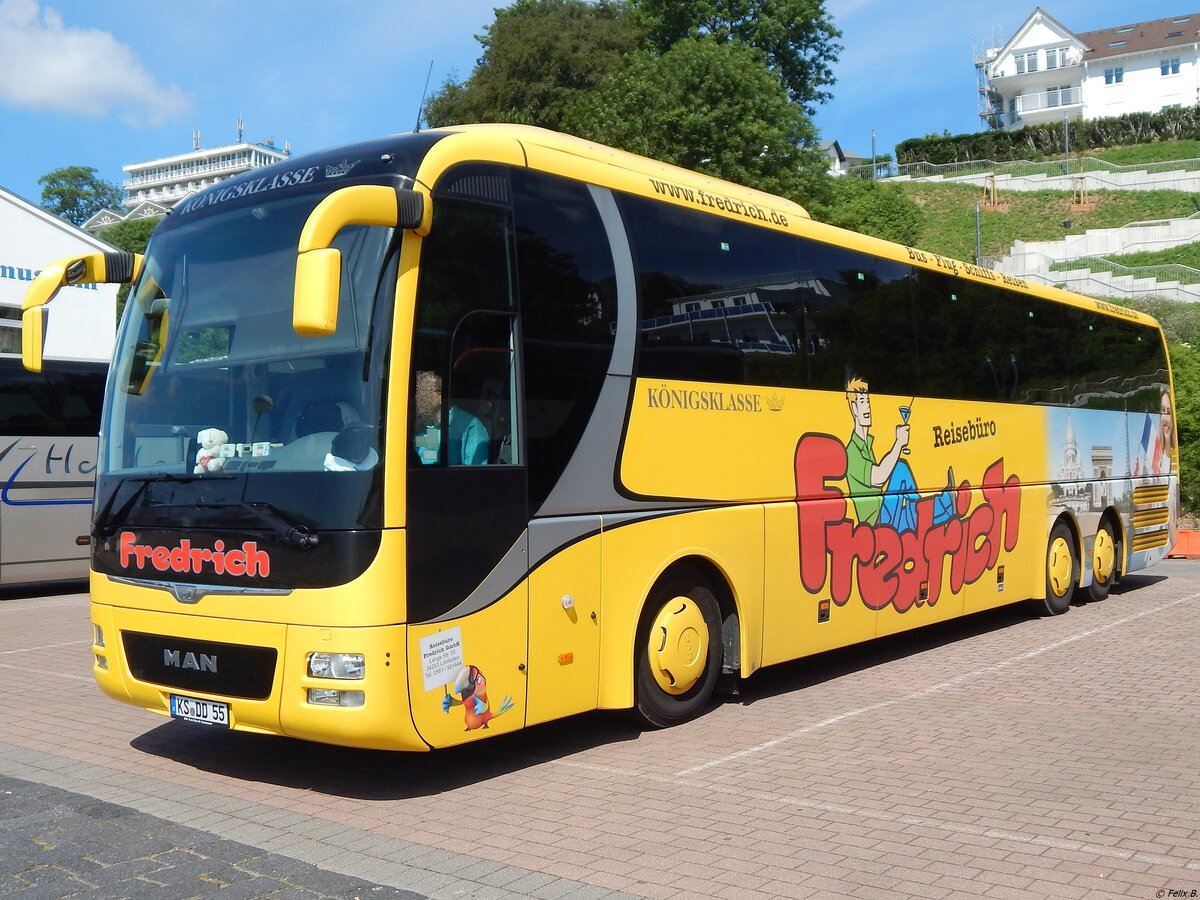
(450, 433)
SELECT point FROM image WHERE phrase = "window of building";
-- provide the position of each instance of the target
(1056, 57)
(1058, 96)
(1175, 34)
(1117, 43)
(1026, 62)
(1169, 66)
(1114, 75)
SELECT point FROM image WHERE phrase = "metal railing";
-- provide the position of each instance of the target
(1080, 165)
(1162, 272)
(1027, 103)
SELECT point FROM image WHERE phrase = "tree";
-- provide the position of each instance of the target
(796, 37)
(868, 207)
(75, 193)
(1185, 369)
(708, 106)
(538, 55)
(131, 235)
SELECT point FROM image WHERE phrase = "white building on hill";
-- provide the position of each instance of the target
(153, 187)
(1046, 72)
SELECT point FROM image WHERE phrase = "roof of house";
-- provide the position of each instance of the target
(1159, 34)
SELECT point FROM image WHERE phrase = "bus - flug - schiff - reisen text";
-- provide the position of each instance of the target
(450, 433)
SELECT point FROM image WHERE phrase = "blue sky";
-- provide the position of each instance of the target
(107, 83)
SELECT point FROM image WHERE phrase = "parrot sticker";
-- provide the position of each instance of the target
(471, 689)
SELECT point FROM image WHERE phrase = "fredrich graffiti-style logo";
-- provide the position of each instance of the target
(899, 540)
(901, 566)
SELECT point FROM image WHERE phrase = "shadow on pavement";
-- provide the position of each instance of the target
(42, 589)
(383, 775)
(378, 774)
(833, 664)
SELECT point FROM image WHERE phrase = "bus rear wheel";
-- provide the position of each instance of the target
(1062, 570)
(678, 652)
(1106, 559)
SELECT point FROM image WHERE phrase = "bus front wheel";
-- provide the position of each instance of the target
(1062, 570)
(678, 652)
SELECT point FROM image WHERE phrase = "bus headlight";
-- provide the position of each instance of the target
(322, 697)
(97, 635)
(347, 666)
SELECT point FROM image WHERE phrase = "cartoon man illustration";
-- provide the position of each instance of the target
(885, 492)
(866, 477)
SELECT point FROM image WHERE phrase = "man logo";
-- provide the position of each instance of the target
(199, 662)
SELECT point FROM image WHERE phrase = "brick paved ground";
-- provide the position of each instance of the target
(57, 844)
(1000, 756)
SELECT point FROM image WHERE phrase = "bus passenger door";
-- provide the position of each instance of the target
(564, 610)
(467, 516)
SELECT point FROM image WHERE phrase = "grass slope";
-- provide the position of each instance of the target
(949, 215)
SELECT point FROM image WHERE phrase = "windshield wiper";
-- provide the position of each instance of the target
(287, 531)
(107, 522)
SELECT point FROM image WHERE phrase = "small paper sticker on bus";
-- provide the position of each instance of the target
(441, 657)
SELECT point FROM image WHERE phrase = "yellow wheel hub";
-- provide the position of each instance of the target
(678, 648)
(1059, 566)
(1104, 556)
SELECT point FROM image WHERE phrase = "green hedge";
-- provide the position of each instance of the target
(1039, 141)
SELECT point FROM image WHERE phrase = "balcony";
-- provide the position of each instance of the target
(1021, 69)
(172, 174)
(1045, 106)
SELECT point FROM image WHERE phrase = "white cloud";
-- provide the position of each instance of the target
(45, 65)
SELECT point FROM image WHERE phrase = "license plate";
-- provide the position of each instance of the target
(206, 712)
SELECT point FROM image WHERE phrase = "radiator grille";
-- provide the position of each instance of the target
(231, 670)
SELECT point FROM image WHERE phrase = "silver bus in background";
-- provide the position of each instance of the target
(49, 422)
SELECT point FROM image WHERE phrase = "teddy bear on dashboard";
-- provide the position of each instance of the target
(208, 457)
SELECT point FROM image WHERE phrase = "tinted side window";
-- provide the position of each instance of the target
(714, 292)
(79, 392)
(64, 401)
(568, 307)
(957, 338)
(1125, 365)
(860, 324)
(464, 410)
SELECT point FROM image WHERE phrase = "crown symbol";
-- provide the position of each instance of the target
(340, 169)
(774, 402)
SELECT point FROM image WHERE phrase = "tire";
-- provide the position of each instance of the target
(1106, 561)
(678, 652)
(1062, 570)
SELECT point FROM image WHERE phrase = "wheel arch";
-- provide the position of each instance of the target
(618, 660)
(717, 581)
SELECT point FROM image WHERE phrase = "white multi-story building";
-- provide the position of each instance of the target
(155, 186)
(1047, 73)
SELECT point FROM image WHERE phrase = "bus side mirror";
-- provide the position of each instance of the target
(114, 267)
(319, 265)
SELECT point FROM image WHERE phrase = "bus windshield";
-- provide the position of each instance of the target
(210, 381)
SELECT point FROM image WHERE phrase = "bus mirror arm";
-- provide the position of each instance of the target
(112, 267)
(319, 264)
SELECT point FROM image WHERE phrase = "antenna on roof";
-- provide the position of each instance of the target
(196, 139)
(424, 91)
(240, 128)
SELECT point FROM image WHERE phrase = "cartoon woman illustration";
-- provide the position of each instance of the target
(1158, 444)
